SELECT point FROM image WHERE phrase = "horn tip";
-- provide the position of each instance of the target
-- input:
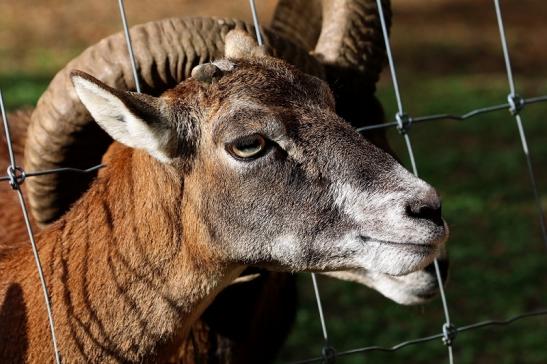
(239, 44)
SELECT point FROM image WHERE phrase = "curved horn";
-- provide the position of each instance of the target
(62, 133)
(351, 38)
(343, 34)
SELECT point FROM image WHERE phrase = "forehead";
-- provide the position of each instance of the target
(271, 82)
(242, 117)
(270, 96)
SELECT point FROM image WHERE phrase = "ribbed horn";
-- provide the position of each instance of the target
(298, 20)
(351, 37)
(346, 35)
(62, 133)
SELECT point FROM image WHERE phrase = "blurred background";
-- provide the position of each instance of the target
(449, 59)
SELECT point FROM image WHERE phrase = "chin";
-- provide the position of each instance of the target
(411, 298)
(404, 295)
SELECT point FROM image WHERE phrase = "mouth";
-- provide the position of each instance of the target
(398, 258)
(419, 249)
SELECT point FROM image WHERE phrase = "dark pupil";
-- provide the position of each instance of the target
(248, 144)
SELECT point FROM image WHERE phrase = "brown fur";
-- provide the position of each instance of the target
(102, 251)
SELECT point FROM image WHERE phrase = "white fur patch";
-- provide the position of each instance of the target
(286, 249)
(391, 241)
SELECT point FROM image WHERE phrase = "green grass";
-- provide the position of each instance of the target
(498, 262)
(22, 89)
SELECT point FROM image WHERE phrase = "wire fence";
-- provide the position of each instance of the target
(16, 176)
(515, 104)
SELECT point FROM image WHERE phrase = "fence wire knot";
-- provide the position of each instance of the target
(404, 122)
(516, 103)
(449, 334)
(16, 176)
(329, 354)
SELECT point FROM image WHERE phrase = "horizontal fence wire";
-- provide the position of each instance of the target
(23, 174)
(16, 176)
(437, 117)
(426, 339)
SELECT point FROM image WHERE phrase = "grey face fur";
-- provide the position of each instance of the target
(320, 197)
(317, 197)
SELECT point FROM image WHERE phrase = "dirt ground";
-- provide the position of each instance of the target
(462, 35)
(440, 36)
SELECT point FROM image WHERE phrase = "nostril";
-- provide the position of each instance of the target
(431, 212)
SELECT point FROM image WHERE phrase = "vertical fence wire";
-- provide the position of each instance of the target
(320, 308)
(516, 105)
(129, 46)
(256, 23)
(403, 123)
(7, 132)
(17, 176)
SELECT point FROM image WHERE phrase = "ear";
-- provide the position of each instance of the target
(239, 44)
(129, 118)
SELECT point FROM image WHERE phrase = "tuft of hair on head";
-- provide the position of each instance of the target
(239, 44)
(210, 72)
(207, 72)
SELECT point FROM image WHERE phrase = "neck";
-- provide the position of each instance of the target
(127, 271)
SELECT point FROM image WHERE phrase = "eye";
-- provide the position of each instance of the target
(248, 147)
